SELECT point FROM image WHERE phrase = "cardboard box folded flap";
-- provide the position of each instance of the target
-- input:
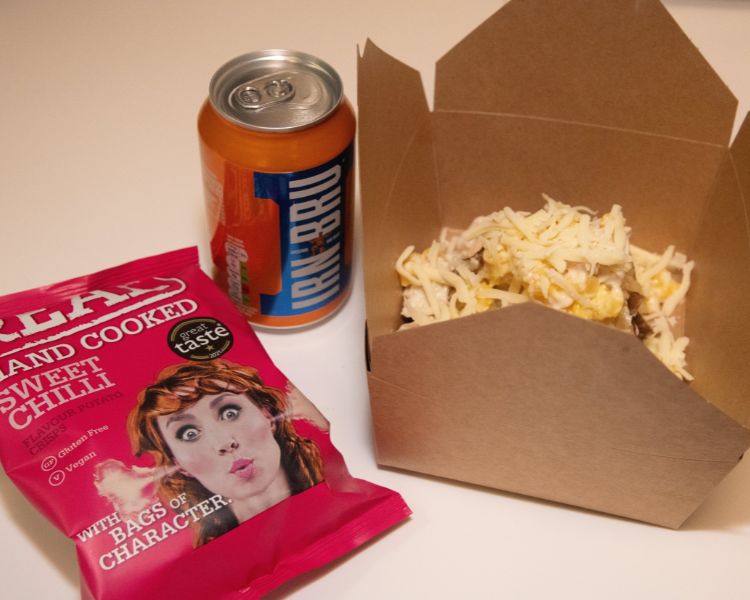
(593, 105)
(620, 63)
(718, 306)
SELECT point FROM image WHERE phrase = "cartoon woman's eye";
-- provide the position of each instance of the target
(188, 433)
(229, 412)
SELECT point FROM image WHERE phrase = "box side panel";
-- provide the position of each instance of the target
(618, 63)
(487, 162)
(532, 401)
(718, 308)
(397, 173)
(391, 108)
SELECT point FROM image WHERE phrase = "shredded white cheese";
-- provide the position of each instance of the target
(564, 256)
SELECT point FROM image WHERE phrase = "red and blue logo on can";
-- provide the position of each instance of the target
(312, 209)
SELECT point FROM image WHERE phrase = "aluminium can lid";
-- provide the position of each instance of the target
(275, 90)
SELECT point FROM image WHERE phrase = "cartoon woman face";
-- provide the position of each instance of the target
(226, 442)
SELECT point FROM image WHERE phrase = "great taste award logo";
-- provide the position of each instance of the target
(200, 338)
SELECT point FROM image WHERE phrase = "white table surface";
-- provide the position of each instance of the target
(99, 165)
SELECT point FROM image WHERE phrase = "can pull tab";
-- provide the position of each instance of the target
(263, 92)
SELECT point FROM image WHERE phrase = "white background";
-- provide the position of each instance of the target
(99, 165)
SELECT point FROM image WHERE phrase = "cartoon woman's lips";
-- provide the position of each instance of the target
(243, 467)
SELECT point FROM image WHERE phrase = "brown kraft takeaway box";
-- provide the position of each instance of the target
(593, 103)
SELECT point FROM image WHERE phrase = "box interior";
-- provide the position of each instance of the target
(651, 139)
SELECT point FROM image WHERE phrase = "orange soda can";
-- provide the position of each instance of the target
(277, 152)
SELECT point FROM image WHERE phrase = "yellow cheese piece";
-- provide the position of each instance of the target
(563, 256)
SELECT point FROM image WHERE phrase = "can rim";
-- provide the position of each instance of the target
(293, 56)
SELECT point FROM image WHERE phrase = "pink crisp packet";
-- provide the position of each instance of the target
(141, 415)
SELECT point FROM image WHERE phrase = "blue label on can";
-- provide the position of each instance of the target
(313, 207)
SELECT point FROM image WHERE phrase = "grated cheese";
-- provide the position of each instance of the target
(564, 256)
